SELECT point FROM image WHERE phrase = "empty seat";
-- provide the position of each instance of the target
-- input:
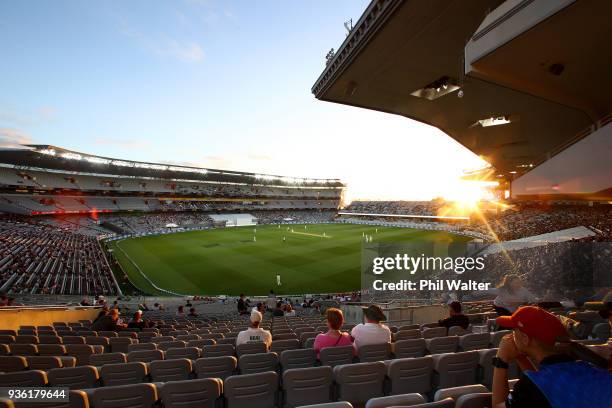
(125, 396)
(81, 352)
(50, 340)
(475, 341)
(410, 348)
(170, 370)
(130, 334)
(409, 327)
(374, 352)
(8, 332)
(333, 356)
(456, 392)
(73, 340)
(44, 362)
(191, 353)
(4, 350)
(485, 366)
(309, 343)
(431, 332)
(7, 338)
(311, 385)
(396, 401)
(359, 382)
(258, 363)
(188, 337)
(410, 375)
(9, 364)
(120, 344)
(455, 369)
(98, 341)
(278, 346)
(74, 377)
(475, 400)
(142, 346)
(145, 356)
(251, 390)
(301, 358)
(51, 350)
(218, 350)
(200, 393)
(446, 403)
(251, 348)
(26, 339)
(340, 404)
(217, 367)
(304, 337)
(285, 336)
(201, 343)
(30, 378)
(439, 345)
(23, 349)
(408, 334)
(123, 373)
(458, 331)
(107, 358)
(108, 334)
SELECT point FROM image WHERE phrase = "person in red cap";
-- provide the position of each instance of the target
(559, 380)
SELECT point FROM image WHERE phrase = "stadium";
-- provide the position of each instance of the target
(132, 283)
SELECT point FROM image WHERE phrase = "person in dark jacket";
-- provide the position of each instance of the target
(109, 322)
(455, 317)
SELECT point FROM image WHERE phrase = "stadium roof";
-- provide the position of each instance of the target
(60, 159)
(534, 76)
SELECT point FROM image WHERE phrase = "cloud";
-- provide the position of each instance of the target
(185, 51)
(40, 115)
(122, 142)
(10, 137)
(262, 157)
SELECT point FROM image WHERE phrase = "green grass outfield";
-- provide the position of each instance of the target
(228, 261)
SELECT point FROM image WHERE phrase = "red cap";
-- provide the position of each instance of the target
(536, 323)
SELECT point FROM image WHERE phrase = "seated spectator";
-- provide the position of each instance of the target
(333, 337)
(242, 306)
(254, 333)
(85, 302)
(180, 311)
(108, 322)
(456, 318)
(289, 311)
(372, 331)
(192, 312)
(559, 380)
(510, 295)
(103, 312)
(3, 299)
(278, 310)
(138, 322)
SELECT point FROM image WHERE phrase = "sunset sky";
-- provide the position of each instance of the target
(219, 84)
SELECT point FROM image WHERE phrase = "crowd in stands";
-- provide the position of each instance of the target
(395, 207)
(39, 258)
(143, 223)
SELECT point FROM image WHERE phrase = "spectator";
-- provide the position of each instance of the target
(138, 322)
(456, 317)
(254, 333)
(510, 295)
(559, 381)
(103, 312)
(372, 331)
(192, 312)
(242, 306)
(271, 302)
(180, 311)
(85, 302)
(333, 337)
(278, 310)
(3, 299)
(289, 311)
(108, 322)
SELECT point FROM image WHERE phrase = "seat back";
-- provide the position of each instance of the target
(258, 363)
(251, 348)
(431, 332)
(145, 356)
(333, 356)
(123, 373)
(9, 364)
(217, 367)
(73, 340)
(456, 369)
(44, 362)
(142, 347)
(81, 352)
(410, 348)
(359, 382)
(279, 346)
(311, 385)
(107, 358)
(218, 350)
(125, 396)
(374, 352)
(201, 343)
(251, 390)
(497, 336)
(408, 334)
(30, 378)
(396, 400)
(301, 358)
(165, 345)
(456, 392)
(51, 350)
(73, 377)
(475, 341)
(199, 393)
(475, 400)
(170, 370)
(23, 349)
(191, 353)
(411, 375)
(50, 340)
(439, 345)
(485, 366)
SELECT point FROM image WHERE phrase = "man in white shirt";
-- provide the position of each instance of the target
(372, 332)
(254, 333)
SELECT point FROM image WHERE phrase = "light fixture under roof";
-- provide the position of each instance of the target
(436, 89)
(493, 121)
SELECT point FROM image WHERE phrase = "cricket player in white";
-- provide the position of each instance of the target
(278, 281)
